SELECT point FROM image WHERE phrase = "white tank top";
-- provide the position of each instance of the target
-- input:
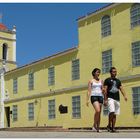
(96, 88)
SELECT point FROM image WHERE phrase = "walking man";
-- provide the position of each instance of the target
(112, 85)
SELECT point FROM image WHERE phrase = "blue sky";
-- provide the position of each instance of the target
(44, 29)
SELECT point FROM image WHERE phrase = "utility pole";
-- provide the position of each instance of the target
(2, 71)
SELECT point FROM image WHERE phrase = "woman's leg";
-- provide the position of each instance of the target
(97, 108)
(99, 118)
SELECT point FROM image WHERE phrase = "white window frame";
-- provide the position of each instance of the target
(30, 111)
(106, 61)
(106, 26)
(31, 81)
(51, 109)
(15, 85)
(15, 113)
(75, 69)
(136, 100)
(136, 54)
(135, 15)
(105, 110)
(51, 76)
(76, 107)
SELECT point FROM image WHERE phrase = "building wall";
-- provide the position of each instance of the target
(41, 111)
(91, 46)
(62, 76)
(125, 119)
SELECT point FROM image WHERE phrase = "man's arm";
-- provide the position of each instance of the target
(105, 94)
(123, 93)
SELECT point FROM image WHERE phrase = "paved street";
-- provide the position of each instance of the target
(75, 134)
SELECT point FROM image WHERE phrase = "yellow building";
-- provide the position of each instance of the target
(52, 91)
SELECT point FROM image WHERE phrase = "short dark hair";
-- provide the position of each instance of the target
(94, 71)
(112, 69)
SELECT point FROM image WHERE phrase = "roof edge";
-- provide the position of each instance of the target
(45, 58)
(8, 31)
(102, 9)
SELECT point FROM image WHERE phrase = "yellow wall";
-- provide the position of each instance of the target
(91, 46)
(125, 119)
(62, 76)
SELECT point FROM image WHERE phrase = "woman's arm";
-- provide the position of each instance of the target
(102, 87)
(89, 92)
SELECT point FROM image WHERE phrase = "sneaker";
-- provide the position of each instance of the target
(94, 129)
(108, 128)
(99, 131)
(113, 130)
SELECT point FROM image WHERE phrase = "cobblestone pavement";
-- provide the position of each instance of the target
(73, 134)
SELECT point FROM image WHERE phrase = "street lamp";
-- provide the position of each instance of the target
(2, 71)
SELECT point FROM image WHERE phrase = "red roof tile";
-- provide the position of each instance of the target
(2, 27)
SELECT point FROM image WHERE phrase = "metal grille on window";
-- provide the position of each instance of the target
(106, 61)
(135, 15)
(51, 76)
(15, 85)
(106, 26)
(14, 112)
(136, 53)
(31, 81)
(31, 111)
(75, 69)
(136, 100)
(105, 110)
(51, 109)
(76, 109)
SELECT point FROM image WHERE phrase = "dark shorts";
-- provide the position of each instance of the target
(96, 98)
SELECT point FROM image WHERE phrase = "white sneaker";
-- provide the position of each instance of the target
(94, 129)
(99, 131)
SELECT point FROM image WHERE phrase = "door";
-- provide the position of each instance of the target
(7, 113)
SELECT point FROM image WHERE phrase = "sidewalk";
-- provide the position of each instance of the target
(104, 130)
(60, 129)
(70, 134)
(124, 130)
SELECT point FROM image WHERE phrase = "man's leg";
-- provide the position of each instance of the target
(117, 112)
(111, 109)
(111, 117)
(109, 123)
(113, 122)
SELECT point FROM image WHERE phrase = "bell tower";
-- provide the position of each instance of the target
(8, 47)
(7, 62)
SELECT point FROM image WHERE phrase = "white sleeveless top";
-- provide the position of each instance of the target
(96, 88)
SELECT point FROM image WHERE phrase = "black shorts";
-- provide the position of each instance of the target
(96, 98)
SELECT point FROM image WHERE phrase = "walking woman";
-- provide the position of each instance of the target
(95, 95)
